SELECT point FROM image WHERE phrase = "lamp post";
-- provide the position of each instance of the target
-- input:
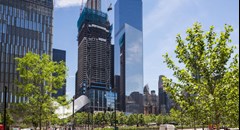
(93, 106)
(73, 123)
(5, 108)
(115, 111)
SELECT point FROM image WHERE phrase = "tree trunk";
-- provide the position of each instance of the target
(40, 120)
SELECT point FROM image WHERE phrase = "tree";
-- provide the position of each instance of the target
(175, 116)
(208, 85)
(141, 119)
(147, 119)
(121, 118)
(40, 77)
(159, 119)
(9, 118)
(81, 118)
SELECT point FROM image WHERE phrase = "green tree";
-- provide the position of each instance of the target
(141, 119)
(175, 116)
(159, 119)
(40, 77)
(207, 84)
(9, 118)
(121, 118)
(81, 118)
(132, 119)
(147, 119)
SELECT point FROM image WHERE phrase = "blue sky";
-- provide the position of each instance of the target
(162, 20)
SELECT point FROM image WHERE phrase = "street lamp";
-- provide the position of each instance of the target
(93, 106)
(73, 123)
(5, 108)
(115, 105)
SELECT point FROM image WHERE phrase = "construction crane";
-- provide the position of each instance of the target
(81, 8)
(110, 7)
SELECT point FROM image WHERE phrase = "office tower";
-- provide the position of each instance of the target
(25, 25)
(112, 69)
(117, 90)
(165, 102)
(129, 53)
(94, 76)
(58, 56)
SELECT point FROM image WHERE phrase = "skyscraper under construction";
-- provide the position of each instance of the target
(95, 70)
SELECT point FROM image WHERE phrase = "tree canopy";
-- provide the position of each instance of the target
(39, 78)
(207, 87)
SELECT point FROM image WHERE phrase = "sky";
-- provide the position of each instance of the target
(162, 21)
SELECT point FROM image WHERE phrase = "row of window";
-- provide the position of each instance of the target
(6, 75)
(30, 15)
(100, 95)
(23, 41)
(23, 23)
(12, 98)
(20, 50)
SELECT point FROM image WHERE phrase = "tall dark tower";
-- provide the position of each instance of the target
(25, 25)
(165, 102)
(162, 96)
(58, 56)
(94, 76)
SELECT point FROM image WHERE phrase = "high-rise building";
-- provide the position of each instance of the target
(95, 65)
(25, 25)
(165, 102)
(129, 53)
(117, 90)
(58, 56)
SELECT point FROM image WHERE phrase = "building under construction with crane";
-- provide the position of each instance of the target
(94, 77)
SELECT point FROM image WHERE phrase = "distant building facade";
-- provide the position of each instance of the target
(129, 54)
(165, 102)
(58, 56)
(25, 26)
(95, 58)
(150, 101)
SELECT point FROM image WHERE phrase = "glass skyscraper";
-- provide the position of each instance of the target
(129, 54)
(58, 56)
(25, 25)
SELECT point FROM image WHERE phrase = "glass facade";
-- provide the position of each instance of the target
(101, 100)
(58, 56)
(129, 55)
(25, 25)
(128, 12)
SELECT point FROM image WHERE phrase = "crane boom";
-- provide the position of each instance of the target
(81, 8)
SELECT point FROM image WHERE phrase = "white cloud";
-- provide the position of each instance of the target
(67, 3)
(161, 13)
(160, 30)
